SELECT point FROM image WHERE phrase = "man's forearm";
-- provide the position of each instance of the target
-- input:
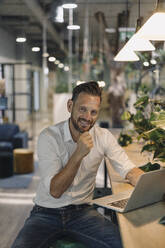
(61, 181)
(133, 175)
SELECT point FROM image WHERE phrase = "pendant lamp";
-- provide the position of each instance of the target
(138, 43)
(126, 55)
(152, 28)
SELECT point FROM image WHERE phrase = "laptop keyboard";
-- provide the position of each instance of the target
(120, 203)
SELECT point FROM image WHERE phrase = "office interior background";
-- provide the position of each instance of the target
(53, 59)
(47, 49)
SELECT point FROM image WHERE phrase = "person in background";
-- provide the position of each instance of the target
(116, 98)
(69, 155)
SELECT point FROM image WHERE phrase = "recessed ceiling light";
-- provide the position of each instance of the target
(57, 62)
(146, 63)
(35, 49)
(153, 61)
(66, 68)
(20, 39)
(61, 65)
(51, 59)
(45, 55)
(73, 27)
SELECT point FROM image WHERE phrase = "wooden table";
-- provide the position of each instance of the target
(138, 228)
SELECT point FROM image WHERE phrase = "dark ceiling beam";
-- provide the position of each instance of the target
(40, 15)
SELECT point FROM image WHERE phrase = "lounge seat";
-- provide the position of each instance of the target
(11, 137)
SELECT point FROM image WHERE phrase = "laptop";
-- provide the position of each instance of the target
(149, 189)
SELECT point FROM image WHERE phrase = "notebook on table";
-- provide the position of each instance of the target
(149, 189)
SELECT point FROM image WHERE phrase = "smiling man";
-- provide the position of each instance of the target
(69, 156)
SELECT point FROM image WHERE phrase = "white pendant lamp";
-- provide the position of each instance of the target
(138, 43)
(152, 28)
(135, 43)
(125, 55)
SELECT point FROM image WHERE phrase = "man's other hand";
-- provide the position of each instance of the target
(133, 175)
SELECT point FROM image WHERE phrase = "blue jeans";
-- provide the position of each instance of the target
(81, 222)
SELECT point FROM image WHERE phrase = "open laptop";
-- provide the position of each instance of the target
(149, 189)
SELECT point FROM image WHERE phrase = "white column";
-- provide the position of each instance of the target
(44, 88)
(70, 51)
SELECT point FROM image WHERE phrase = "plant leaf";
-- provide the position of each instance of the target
(148, 147)
(141, 102)
(126, 116)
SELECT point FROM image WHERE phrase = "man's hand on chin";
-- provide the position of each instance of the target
(133, 175)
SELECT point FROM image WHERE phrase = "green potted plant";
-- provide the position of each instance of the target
(149, 124)
(124, 139)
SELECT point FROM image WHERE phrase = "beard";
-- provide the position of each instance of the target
(78, 127)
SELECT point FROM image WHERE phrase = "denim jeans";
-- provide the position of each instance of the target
(81, 222)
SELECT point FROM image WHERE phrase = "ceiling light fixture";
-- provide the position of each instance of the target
(152, 28)
(138, 43)
(66, 68)
(52, 59)
(57, 62)
(21, 36)
(45, 55)
(61, 65)
(146, 63)
(59, 17)
(21, 39)
(73, 27)
(35, 49)
(69, 4)
(125, 55)
(153, 61)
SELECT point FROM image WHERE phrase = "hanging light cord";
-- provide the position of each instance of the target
(138, 9)
(126, 38)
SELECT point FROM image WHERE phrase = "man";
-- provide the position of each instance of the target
(69, 156)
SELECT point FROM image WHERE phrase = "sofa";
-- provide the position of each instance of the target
(10, 138)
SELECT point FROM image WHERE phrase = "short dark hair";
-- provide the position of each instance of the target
(91, 88)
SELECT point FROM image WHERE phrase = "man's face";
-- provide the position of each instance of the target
(84, 112)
